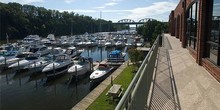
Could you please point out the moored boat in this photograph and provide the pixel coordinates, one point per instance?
(73, 52)
(116, 56)
(119, 44)
(101, 72)
(39, 65)
(81, 67)
(60, 65)
(25, 62)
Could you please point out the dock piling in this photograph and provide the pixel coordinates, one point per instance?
(5, 62)
(53, 69)
(18, 66)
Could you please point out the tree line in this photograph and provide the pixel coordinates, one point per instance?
(151, 29)
(18, 21)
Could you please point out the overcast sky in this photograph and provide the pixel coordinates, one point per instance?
(113, 10)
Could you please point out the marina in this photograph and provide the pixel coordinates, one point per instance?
(55, 77)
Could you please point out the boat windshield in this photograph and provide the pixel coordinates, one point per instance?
(69, 51)
(32, 57)
(55, 51)
(102, 67)
(82, 61)
(34, 50)
(48, 58)
(7, 54)
(61, 58)
(22, 55)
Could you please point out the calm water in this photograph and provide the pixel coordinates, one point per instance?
(28, 90)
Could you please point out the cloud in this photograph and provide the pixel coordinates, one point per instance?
(92, 11)
(156, 8)
(111, 4)
(116, 0)
(79, 11)
(23, 1)
(115, 11)
(69, 1)
(100, 7)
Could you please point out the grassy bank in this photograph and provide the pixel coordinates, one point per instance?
(102, 103)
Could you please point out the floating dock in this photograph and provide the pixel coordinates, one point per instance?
(143, 49)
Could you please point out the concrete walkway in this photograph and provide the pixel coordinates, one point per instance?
(180, 83)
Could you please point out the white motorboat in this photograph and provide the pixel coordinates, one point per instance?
(119, 44)
(72, 52)
(39, 65)
(101, 72)
(2, 58)
(15, 54)
(13, 57)
(91, 43)
(41, 49)
(60, 65)
(81, 44)
(109, 44)
(31, 39)
(81, 67)
(25, 62)
(7, 55)
(139, 44)
(57, 51)
(116, 56)
(101, 43)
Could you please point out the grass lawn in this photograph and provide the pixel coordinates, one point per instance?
(102, 103)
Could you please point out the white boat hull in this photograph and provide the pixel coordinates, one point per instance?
(38, 65)
(56, 68)
(2, 59)
(12, 60)
(98, 75)
(21, 64)
(81, 69)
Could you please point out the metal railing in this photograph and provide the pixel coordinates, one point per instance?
(135, 97)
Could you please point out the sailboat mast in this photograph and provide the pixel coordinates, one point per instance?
(7, 38)
(100, 25)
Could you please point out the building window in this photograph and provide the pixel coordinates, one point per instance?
(214, 40)
(192, 20)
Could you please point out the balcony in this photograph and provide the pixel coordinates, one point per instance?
(170, 79)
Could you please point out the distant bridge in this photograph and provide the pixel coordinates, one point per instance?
(130, 21)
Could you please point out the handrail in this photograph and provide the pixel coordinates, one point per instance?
(133, 97)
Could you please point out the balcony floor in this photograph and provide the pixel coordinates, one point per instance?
(180, 83)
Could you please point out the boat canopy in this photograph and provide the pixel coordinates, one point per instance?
(115, 52)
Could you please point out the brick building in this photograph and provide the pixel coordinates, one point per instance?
(196, 23)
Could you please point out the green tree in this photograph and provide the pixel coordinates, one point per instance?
(18, 21)
(135, 55)
(151, 29)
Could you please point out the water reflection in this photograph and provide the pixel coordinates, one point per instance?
(33, 90)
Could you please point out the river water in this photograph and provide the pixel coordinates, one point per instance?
(28, 90)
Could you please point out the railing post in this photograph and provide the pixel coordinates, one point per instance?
(160, 40)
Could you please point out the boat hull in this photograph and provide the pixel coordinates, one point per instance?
(58, 70)
(80, 70)
(102, 77)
